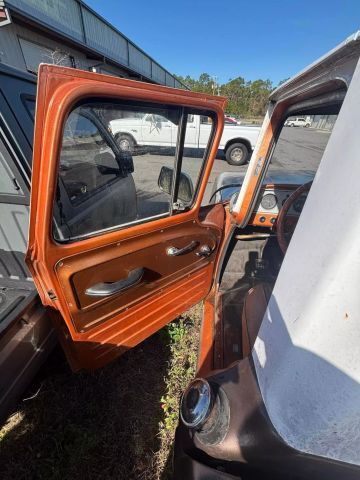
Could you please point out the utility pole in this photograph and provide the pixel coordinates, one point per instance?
(215, 85)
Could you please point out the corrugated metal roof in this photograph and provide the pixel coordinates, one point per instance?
(74, 20)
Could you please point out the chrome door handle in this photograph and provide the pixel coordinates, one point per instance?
(174, 252)
(110, 288)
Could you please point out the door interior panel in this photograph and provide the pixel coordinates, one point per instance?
(110, 326)
(103, 343)
(114, 262)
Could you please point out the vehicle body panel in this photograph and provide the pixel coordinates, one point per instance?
(27, 335)
(322, 262)
(98, 330)
(23, 348)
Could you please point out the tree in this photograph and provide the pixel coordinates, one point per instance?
(245, 98)
(56, 57)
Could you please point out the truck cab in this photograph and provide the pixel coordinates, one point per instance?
(277, 393)
(275, 261)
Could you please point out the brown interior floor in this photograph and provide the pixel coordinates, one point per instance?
(249, 262)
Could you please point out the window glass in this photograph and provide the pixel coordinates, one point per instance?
(205, 120)
(299, 150)
(117, 165)
(196, 142)
(87, 164)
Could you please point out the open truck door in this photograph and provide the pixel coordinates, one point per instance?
(112, 261)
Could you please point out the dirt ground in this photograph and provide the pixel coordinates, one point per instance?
(117, 423)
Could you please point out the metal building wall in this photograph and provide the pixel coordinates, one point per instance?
(24, 48)
(84, 28)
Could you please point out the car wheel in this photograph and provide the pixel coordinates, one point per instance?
(125, 142)
(237, 154)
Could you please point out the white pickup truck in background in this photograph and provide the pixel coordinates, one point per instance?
(297, 122)
(237, 142)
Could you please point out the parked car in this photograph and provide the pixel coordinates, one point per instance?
(229, 121)
(236, 143)
(277, 391)
(297, 122)
(232, 118)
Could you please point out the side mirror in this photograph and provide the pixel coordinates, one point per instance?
(186, 189)
(125, 161)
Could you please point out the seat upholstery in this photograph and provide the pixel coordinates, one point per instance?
(255, 304)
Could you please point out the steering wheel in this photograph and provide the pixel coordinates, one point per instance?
(285, 225)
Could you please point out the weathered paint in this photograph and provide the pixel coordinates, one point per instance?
(307, 354)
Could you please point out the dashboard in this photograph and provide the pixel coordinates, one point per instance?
(270, 201)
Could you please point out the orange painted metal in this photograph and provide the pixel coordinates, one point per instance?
(97, 332)
(210, 355)
(263, 219)
(107, 265)
(206, 352)
(258, 166)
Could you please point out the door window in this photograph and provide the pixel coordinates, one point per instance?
(112, 174)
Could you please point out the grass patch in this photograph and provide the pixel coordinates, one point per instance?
(117, 423)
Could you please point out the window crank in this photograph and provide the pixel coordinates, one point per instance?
(204, 251)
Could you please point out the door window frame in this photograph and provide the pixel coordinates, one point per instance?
(178, 157)
(59, 91)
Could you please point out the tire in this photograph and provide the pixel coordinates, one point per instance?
(237, 154)
(125, 142)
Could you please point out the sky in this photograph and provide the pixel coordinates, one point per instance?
(229, 38)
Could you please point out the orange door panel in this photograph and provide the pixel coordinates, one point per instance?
(113, 290)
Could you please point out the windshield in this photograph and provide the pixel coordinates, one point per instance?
(299, 150)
